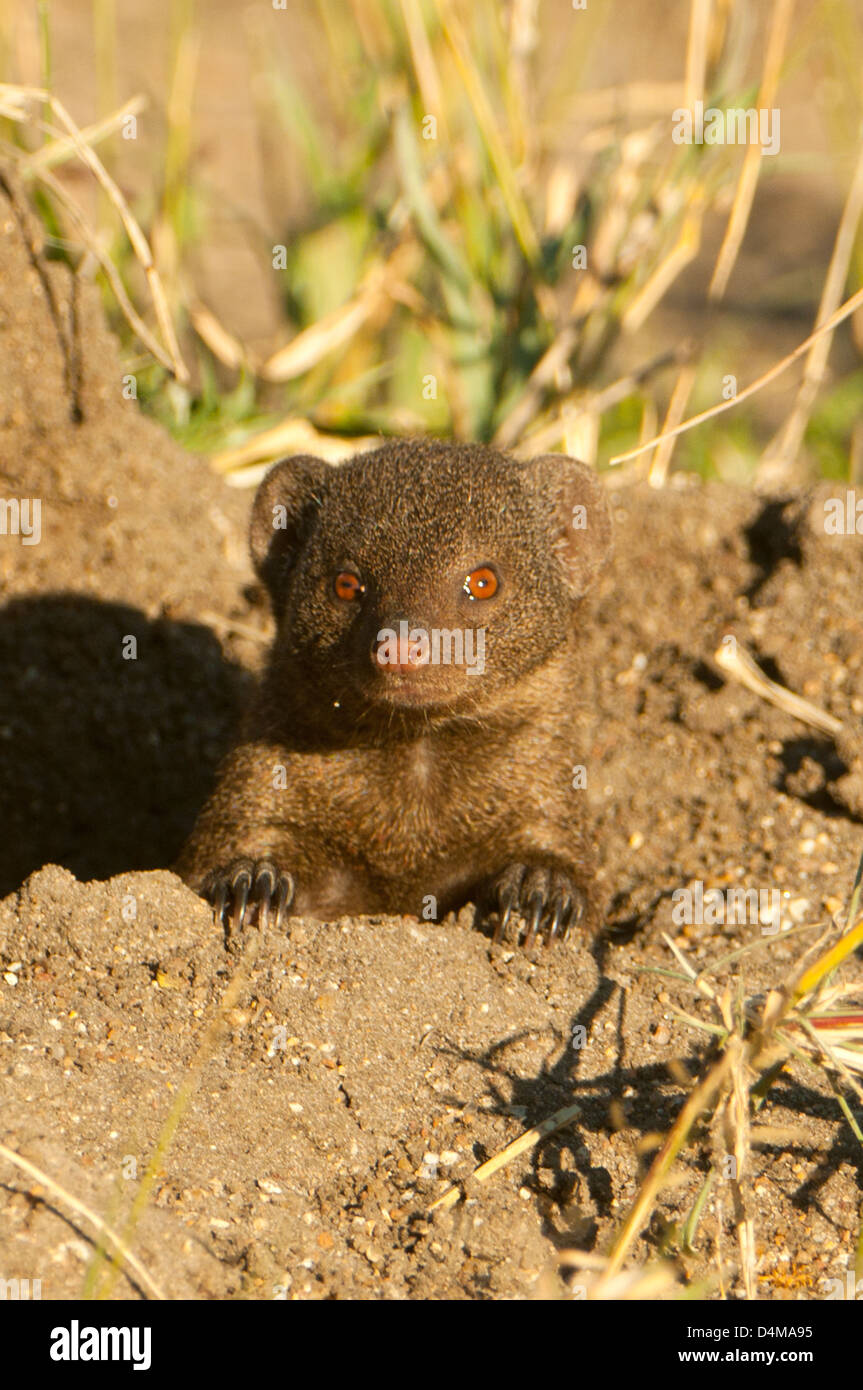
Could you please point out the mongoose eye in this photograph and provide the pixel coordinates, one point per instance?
(348, 586)
(481, 583)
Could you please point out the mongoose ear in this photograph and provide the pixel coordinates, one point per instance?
(281, 512)
(581, 518)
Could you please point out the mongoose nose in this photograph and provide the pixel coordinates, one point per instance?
(401, 650)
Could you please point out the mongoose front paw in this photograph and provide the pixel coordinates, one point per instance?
(249, 889)
(547, 901)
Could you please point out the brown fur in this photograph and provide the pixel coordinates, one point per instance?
(388, 805)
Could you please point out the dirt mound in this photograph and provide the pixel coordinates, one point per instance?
(106, 758)
(367, 1063)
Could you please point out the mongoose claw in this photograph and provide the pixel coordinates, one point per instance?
(249, 890)
(546, 900)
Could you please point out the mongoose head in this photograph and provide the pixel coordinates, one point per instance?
(425, 576)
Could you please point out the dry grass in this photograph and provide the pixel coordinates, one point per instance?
(449, 260)
(805, 1018)
(809, 1017)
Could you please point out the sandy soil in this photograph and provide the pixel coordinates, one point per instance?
(364, 1064)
